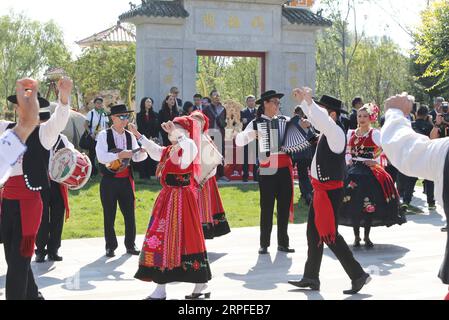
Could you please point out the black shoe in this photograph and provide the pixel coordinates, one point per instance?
(431, 205)
(358, 284)
(155, 299)
(196, 296)
(245, 180)
(368, 243)
(40, 257)
(357, 242)
(444, 229)
(38, 297)
(133, 251)
(110, 253)
(286, 249)
(263, 250)
(54, 257)
(307, 283)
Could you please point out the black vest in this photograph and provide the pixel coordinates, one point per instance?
(329, 165)
(35, 162)
(111, 146)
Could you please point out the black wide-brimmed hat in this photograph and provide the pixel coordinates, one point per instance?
(332, 103)
(269, 95)
(119, 109)
(43, 103)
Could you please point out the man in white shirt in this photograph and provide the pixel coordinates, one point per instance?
(328, 172)
(96, 121)
(416, 155)
(55, 204)
(22, 203)
(117, 186)
(276, 174)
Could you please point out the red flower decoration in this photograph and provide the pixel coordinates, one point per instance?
(370, 208)
(196, 265)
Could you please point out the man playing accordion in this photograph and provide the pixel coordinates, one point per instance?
(276, 137)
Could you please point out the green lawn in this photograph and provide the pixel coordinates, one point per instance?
(241, 204)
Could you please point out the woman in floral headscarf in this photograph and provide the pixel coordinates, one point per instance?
(371, 198)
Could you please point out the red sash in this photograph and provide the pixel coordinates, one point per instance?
(279, 161)
(324, 211)
(65, 196)
(30, 211)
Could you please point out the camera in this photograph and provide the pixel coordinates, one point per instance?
(445, 110)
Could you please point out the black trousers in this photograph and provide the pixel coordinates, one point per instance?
(303, 166)
(276, 187)
(147, 168)
(20, 284)
(50, 231)
(429, 188)
(113, 191)
(339, 248)
(407, 187)
(393, 172)
(245, 168)
(93, 159)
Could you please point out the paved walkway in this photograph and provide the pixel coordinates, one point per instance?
(404, 265)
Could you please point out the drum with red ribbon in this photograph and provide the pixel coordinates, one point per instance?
(71, 168)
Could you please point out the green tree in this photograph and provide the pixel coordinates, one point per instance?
(27, 49)
(432, 48)
(234, 77)
(105, 68)
(350, 64)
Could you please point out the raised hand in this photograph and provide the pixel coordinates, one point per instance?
(403, 102)
(133, 129)
(308, 95)
(298, 94)
(65, 86)
(27, 107)
(301, 94)
(168, 127)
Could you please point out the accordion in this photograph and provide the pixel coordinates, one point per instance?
(280, 135)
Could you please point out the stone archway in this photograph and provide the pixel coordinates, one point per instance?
(170, 33)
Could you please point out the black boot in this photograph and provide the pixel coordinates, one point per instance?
(357, 242)
(358, 284)
(54, 257)
(40, 257)
(368, 243)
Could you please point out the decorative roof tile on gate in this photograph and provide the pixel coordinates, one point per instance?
(304, 16)
(153, 8)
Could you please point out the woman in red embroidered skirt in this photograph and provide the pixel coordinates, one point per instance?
(212, 213)
(174, 247)
(371, 199)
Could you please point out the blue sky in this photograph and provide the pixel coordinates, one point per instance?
(82, 18)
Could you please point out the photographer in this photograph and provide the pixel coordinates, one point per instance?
(441, 128)
(436, 108)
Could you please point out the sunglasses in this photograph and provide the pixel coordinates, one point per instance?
(124, 117)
